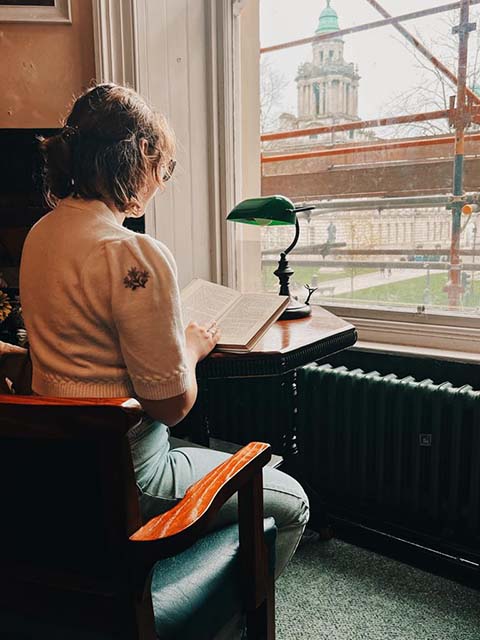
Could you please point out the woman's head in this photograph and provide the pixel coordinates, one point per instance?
(113, 148)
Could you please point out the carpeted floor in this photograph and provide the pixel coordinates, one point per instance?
(335, 591)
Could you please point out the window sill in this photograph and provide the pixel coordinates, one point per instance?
(416, 351)
(460, 344)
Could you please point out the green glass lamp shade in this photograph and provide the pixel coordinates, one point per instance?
(275, 210)
(268, 210)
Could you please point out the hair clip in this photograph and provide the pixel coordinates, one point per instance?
(69, 132)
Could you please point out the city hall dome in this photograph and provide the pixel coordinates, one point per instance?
(328, 21)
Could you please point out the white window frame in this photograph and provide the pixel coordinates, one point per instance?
(420, 331)
(114, 41)
(223, 29)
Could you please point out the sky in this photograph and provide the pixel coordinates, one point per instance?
(386, 64)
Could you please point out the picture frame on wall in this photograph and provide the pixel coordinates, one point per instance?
(44, 11)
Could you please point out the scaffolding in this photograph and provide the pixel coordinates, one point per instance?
(464, 109)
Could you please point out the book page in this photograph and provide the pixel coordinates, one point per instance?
(204, 301)
(247, 316)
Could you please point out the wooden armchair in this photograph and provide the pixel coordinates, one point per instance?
(75, 560)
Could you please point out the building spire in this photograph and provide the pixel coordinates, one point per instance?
(328, 21)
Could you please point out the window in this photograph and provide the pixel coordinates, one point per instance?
(387, 237)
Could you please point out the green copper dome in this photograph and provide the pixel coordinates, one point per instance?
(328, 21)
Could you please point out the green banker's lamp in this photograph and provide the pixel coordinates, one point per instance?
(270, 211)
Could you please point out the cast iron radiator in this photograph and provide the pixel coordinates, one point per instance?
(400, 455)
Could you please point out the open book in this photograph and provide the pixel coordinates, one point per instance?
(242, 317)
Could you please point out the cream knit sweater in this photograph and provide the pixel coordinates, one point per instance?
(101, 307)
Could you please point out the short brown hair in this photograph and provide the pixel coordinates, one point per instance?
(99, 154)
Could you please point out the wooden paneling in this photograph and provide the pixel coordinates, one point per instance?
(172, 52)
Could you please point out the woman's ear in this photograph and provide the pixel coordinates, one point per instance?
(144, 146)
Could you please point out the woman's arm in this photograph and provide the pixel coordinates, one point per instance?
(199, 342)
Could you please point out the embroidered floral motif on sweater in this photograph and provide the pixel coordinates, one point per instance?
(136, 278)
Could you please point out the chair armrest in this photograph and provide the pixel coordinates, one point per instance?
(46, 408)
(177, 529)
(129, 404)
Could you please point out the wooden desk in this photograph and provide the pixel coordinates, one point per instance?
(285, 347)
(253, 396)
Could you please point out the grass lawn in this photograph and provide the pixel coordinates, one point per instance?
(305, 275)
(413, 291)
(302, 276)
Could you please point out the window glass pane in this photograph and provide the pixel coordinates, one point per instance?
(380, 235)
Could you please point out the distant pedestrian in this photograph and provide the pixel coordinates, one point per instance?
(331, 233)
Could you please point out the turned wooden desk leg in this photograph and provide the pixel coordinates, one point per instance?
(293, 463)
(289, 390)
(200, 432)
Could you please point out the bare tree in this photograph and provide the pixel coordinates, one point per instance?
(432, 89)
(272, 87)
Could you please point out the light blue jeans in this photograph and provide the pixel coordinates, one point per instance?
(164, 475)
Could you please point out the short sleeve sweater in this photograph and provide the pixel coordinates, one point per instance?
(101, 307)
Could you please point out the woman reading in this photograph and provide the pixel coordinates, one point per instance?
(101, 303)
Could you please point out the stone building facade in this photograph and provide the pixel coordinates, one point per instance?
(327, 91)
(327, 87)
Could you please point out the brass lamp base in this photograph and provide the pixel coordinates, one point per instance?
(295, 310)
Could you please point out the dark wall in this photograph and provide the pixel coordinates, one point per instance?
(21, 200)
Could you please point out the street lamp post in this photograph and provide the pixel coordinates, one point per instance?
(427, 294)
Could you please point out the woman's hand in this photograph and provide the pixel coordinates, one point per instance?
(201, 340)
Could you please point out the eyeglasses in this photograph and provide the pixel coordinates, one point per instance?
(170, 169)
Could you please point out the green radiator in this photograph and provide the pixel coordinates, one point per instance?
(396, 454)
